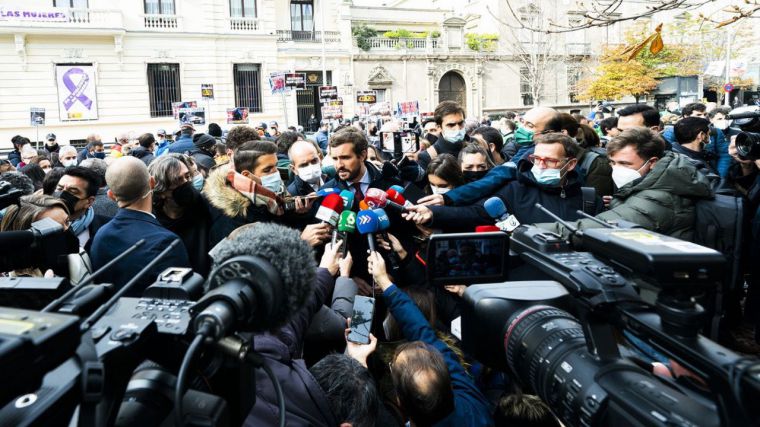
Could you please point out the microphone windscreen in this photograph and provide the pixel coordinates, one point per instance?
(384, 222)
(486, 228)
(348, 199)
(330, 209)
(289, 255)
(327, 191)
(363, 206)
(495, 207)
(399, 189)
(376, 198)
(367, 222)
(347, 222)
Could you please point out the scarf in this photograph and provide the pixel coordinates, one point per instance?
(255, 192)
(79, 225)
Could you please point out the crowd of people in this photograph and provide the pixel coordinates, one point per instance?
(205, 189)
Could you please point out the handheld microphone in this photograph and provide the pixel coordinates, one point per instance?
(377, 198)
(398, 198)
(330, 209)
(348, 199)
(397, 188)
(496, 210)
(383, 224)
(367, 222)
(363, 206)
(486, 228)
(346, 224)
(324, 192)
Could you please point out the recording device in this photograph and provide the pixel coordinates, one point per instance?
(466, 258)
(368, 223)
(346, 224)
(496, 209)
(43, 246)
(330, 209)
(290, 202)
(377, 198)
(399, 143)
(573, 361)
(9, 195)
(361, 319)
(747, 141)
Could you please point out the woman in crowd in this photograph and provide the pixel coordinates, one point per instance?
(475, 162)
(444, 173)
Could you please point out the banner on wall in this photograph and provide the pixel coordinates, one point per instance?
(77, 95)
(237, 116)
(176, 106)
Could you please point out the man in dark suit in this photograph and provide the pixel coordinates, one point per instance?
(131, 187)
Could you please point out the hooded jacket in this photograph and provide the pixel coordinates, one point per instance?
(143, 154)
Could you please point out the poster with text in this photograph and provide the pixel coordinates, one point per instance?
(176, 106)
(77, 97)
(380, 109)
(277, 83)
(194, 116)
(295, 80)
(237, 116)
(408, 109)
(332, 110)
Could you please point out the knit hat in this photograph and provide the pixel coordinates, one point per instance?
(202, 140)
(214, 130)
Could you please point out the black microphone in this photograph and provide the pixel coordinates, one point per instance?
(261, 277)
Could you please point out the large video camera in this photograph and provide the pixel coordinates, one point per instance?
(586, 346)
(116, 360)
(748, 141)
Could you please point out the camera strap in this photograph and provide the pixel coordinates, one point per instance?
(92, 381)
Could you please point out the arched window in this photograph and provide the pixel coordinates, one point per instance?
(452, 88)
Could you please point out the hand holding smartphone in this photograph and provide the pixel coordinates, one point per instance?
(361, 319)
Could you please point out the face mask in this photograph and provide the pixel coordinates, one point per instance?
(439, 190)
(523, 136)
(721, 124)
(198, 181)
(622, 175)
(431, 138)
(310, 173)
(52, 147)
(185, 195)
(99, 154)
(272, 182)
(68, 199)
(470, 176)
(546, 176)
(454, 136)
(67, 163)
(46, 170)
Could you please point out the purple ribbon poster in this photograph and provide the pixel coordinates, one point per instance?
(77, 97)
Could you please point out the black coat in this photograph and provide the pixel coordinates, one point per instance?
(193, 229)
(143, 154)
(520, 197)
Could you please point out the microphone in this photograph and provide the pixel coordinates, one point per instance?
(396, 197)
(348, 199)
(346, 224)
(497, 210)
(330, 209)
(377, 198)
(367, 222)
(363, 206)
(324, 192)
(397, 188)
(383, 224)
(261, 277)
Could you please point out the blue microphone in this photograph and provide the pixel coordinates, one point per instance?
(327, 191)
(496, 209)
(348, 199)
(367, 222)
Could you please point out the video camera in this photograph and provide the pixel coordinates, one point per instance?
(585, 345)
(747, 141)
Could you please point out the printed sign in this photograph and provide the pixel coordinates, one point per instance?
(408, 109)
(295, 80)
(176, 106)
(366, 97)
(426, 116)
(332, 109)
(380, 109)
(37, 116)
(207, 91)
(194, 116)
(277, 83)
(328, 93)
(49, 14)
(77, 97)
(237, 116)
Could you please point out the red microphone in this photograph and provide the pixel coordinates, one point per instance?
(330, 209)
(377, 198)
(398, 198)
(486, 228)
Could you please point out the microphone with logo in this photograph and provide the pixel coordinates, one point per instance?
(497, 210)
(384, 223)
(330, 209)
(396, 197)
(368, 223)
(346, 225)
(377, 198)
(348, 199)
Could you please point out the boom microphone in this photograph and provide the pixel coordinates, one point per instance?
(277, 269)
(368, 223)
(330, 209)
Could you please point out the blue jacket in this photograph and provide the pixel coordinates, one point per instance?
(471, 407)
(484, 187)
(321, 138)
(123, 231)
(718, 146)
(183, 144)
(162, 148)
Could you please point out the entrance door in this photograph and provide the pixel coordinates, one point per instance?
(308, 99)
(452, 88)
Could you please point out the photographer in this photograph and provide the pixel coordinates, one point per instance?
(432, 386)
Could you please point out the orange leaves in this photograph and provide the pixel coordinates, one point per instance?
(654, 41)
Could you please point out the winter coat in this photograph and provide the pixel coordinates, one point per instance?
(183, 144)
(143, 154)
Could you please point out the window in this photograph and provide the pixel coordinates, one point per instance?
(248, 86)
(301, 16)
(76, 4)
(159, 7)
(381, 95)
(243, 8)
(163, 88)
(574, 75)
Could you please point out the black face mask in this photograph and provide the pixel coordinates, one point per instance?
(51, 147)
(431, 137)
(185, 195)
(470, 176)
(69, 199)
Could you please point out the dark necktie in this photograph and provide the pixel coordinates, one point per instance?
(358, 195)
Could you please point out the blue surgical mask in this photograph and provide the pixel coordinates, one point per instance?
(272, 182)
(454, 136)
(198, 182)
(546, 176)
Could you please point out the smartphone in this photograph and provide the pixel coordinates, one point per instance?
(361, 319)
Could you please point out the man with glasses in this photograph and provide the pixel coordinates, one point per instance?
(547, 176)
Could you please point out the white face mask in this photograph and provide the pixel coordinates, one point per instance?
(454, 136)
(622, 175)
(272, 182)
(722, 124)
(310, 173)
(70, 162)
(439, 190)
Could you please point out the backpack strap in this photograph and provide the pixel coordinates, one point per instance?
(588, 159)
(588, 195)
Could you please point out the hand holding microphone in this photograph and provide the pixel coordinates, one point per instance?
(330, 209)
(497, 210)
(377, 198)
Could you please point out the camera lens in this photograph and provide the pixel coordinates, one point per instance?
(748, 145)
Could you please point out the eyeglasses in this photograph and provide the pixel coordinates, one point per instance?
(546, 161)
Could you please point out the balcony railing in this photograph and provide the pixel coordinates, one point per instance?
(155, 21)
(384, 43)
(75, 18)
(308, 36)
(239, 23)
(578, 49)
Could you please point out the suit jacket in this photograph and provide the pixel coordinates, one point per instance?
(123, 231)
